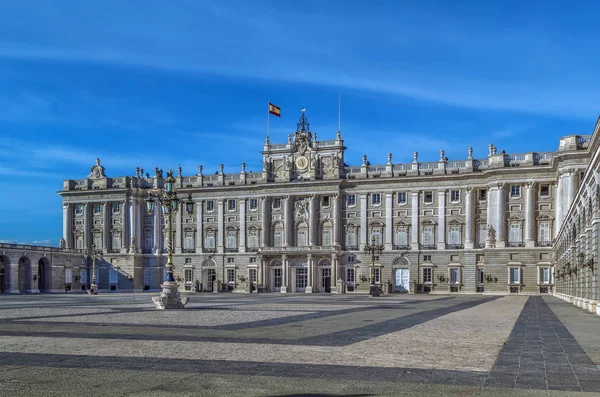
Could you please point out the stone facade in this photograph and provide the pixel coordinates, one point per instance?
(577, 243)
(301, 223)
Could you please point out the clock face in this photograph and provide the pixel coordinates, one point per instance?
(301, 162)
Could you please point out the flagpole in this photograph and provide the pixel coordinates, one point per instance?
(339, 112)
(268, 118)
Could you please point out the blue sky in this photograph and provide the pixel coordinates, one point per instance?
(118, 80)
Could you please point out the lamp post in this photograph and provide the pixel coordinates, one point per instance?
(169, 202)
(93, 252)
(373, 249)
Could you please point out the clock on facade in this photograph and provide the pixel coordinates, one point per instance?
(301, 162)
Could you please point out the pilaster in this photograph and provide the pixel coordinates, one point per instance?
(287, 226)
(441, 244)
(106, 226)
(242, 225)
(469, 225)
(264, 238)
(199, 225)
(336, 218)
(312, 221)
(530, 215)
(310, 279)
(221, 225)
(501, 216)
(363, 220)
(389, 212)
(414, 228)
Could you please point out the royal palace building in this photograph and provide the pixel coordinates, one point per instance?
(486, 224)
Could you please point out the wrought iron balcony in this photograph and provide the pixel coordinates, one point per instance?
(544, 243)
(352, 248)
(232, 249)
(252, 249)
(115, 251)
(428, 246)
(209, 250)
(516, 244)
(189, 250)
(454, 246)
(402, 247)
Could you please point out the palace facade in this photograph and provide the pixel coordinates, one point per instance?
(484, 224)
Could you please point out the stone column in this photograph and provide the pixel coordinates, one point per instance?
(312, 221)
(414, 227)
(132, 226)
(572, 189)
(13, 276)
(221, 225)
(363, 220)
(287, 226)
(469, 241)
(261, 277)
(334, 271)
(389, 220)
(501, 217)
(87, 235)
(139, 219)
(106, 226)
(530, 215)
(199, 225)
(441, 244)
(559, 204)
(311, 269)
(264, 238)
(125, 236)
(336, 219)
(242, 243)
(179, 229)
(284, 274)
(68, 225)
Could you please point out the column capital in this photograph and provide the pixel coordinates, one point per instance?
(469, 189)
(529, 185)
(500, 185)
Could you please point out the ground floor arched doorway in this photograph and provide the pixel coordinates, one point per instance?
(4, 266)
(23, 272)
(42, 275)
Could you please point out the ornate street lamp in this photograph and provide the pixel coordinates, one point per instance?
(169, 202)
(373, 249)
(93, 252)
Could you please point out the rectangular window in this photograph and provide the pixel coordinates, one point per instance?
(351, 200)
(231, 205)
(426, 258)
(544, 275)
(402, 198)
(116, 208)
(230, 276)
(148, 242)
(231, 240)
(325, 201)
(454, 275)
(326, 240)
(515, 235)
(402, 237)
(515, 191)
(112, 276)
(253, 204)
(454, 235)
(454, 196)
(480, 276)
(427, 275)
(482, 234)
(277, 242)
(277, 203)
(515, 275)
(253, 238)
(350, 275)
(97, 208)
(210, 206)
(351, 238)
(428, 237)
(83, 276)
(376, 233)
(68, 276)
(252, 260)
(377, 275)
(544, 232)
(482, 195)
(188, 275)
(301, 277)
(428, 197)
(544, 190)
(376, 198)
(350, 259)
(209, 239)
(301, 238)
(78, 209)
(277, 277)
(252, 275)
(230, 260)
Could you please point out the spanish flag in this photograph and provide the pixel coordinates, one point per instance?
(274, 110)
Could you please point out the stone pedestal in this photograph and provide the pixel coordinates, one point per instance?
(216, 286)
(93, 289)
(283, 289)
(340, 287)
(308, 290)
(169, 298)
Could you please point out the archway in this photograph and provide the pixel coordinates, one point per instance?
(24, 274)
(4, 269)
(43, 274)
(401, 268)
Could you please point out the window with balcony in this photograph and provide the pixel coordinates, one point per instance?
(326, 238)
(301, 240)
(544, 234)
(209, 240)
(277, 238)
(481, 234)
(428, 237)
(253, 239)
(231, 241)
(376, 236)
(515, 235)
(454, 236)
(402, 238)
(351, 238)
(189, 241)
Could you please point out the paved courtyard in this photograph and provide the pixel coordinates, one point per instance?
(280, 345)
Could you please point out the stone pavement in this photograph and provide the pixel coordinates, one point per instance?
(276, 345)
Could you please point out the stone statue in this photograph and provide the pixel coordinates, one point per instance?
(62, 243)
(389, 158)
(442, 155)
(156, 172)
(415, 157)
(97, 171)
(301, 210)
(490, 232)
(364, 159)
(470, 153)
(133, 241)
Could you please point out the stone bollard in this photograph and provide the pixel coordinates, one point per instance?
(340, 287)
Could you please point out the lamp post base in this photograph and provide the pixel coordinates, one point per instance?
(93, 289)
(374, 290)
(169, 298)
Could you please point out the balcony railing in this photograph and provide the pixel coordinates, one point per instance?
(115, 251)
(209, 250)
(232, 249)
(455, 246)
(402, 247)
(252, 249)
(544, 243)
(352, 248)
(428, 246)
(189, 250)
(516, 244)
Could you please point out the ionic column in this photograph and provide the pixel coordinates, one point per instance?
(334, 270)
(414, 227)
(87, 235)
(199, 225)
(469, 243)
(106, 226)
(311, 268)
(312, 221)
(284, 274)
(336, 219)
(264, 238)
(501, 217)
(530, 214)
(287, 226)
(242, 225)
(389, 227)
(68, 225)
(363, 220)
(221, 225)
(572, 189)
(560, 187)
(125, 235)
(441, 220)
(139, 216)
